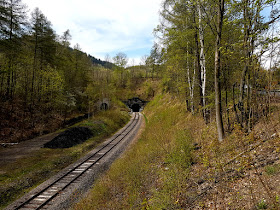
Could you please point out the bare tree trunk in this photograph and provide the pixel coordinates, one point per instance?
(270, 74)
(33, 72)
(202, 63)
(8, 88)
(234, 105)
(198, 67)
(248, 50)
(40, 80)
(10, 59)
(13, 86)
(219, 119)
(2, 83)
(226, 79)
(191, 84)
(153, 71)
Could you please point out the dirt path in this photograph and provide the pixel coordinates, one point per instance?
(12, 153)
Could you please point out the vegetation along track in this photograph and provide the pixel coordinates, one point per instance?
(46, 194)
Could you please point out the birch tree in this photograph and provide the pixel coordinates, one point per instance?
(191, 82)
(202, 59)
(180, 34)
(121, 61)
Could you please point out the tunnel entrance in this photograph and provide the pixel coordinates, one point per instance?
(135, 104)
(135, 107)
(104, 106)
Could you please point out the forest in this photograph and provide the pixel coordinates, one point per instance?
(212, 79)
(43, 81)
(212, 129)
(218, 56)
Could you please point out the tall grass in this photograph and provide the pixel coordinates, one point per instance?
(151, 173)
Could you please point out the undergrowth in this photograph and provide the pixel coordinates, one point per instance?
(27, 173)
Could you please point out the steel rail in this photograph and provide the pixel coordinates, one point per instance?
(133, 123)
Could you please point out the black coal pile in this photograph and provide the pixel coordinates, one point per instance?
(70, 138)
(75, 120)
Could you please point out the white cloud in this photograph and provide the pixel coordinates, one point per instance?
(104, 26)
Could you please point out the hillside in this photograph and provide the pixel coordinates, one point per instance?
(186, 167)
(105, 64)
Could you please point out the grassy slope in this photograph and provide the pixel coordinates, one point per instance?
(157, 163)
(28, 172)
(166, 170)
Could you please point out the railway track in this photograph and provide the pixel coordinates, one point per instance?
(42, 198)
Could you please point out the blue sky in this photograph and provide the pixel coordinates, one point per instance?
(103, 27)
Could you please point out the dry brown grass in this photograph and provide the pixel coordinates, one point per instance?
(240, 173)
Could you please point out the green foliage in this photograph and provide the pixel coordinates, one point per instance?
(262, 204)
(121, 60)
(272, 170)
(155, 102)
(182, 153)
(52, 82)
(149, 91)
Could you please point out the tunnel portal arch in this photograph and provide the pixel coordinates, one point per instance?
(135, 107)
(104, 106)
(135, 104)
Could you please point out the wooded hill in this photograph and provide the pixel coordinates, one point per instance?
(210, 54)
(209, 62)
(105, 64)
(43, 81)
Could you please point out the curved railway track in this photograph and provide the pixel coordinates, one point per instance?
(41, 199)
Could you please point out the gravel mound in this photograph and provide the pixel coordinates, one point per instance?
(70, 138)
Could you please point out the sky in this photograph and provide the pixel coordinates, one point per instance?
(103, 27)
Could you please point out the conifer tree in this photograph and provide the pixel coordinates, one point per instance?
(43, 40)
(12, 20)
